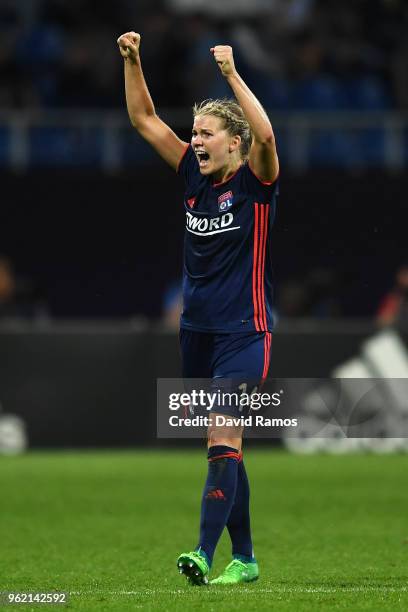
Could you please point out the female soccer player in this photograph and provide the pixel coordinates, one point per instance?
(230, 169)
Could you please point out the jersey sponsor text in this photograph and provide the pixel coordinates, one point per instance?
(209, 226)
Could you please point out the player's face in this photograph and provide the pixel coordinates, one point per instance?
(211, 143)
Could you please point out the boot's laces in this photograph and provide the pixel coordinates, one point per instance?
(235, 568)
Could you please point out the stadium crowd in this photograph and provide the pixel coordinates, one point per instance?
(316, 55)
(309, 54)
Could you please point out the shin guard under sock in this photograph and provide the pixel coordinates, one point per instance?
(218, 496)
(238, 524)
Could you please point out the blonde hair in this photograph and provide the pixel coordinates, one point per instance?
(233, 119)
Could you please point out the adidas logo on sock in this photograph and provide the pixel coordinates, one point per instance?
(216, 494)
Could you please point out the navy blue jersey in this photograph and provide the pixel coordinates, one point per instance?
(227, 282)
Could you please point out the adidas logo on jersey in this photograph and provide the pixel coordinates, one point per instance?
(208, 227)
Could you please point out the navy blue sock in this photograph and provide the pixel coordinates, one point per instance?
(218, 496)
(239, 524)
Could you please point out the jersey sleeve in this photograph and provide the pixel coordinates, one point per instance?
(263, 191)
(188, 166)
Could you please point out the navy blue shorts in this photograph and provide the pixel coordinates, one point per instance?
(235, 363)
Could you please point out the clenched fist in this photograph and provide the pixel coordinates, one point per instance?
(129, 46)
(225, 59)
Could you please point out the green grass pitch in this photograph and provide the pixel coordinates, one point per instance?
(330, 532)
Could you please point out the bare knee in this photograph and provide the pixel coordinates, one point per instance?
(231, 442)
(224, 435)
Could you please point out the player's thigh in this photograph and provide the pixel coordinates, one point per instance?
(239, 368)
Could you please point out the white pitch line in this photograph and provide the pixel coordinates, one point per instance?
(253, 591)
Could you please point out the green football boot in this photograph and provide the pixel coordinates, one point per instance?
(238, 571)
(195, 568)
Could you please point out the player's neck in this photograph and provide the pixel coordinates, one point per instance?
(223, 174)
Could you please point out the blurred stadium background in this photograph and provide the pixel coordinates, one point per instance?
(90, 219)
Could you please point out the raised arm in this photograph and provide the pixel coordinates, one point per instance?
(140, 105)
(263, 158)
